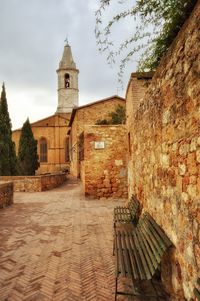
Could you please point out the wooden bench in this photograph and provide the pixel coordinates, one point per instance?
(197, 290)
(127, 214)
(126, 217)
(138, 253)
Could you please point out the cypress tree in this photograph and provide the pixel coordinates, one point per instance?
(8, 159)
(27, 156)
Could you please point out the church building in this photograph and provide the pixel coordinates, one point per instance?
(52, 132)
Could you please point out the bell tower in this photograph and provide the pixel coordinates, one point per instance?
(67, 82)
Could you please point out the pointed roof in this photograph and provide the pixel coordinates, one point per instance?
(67, 60)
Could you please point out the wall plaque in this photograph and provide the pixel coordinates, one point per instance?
(99, 145)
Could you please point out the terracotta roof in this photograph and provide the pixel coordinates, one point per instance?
(92, 104)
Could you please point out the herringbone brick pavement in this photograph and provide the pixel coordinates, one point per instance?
(57, 245)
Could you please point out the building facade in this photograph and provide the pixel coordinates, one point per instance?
(51, 132)
(88, 115)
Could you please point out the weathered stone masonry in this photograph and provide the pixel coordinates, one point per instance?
(36, 183)
(164, 155)
(88, 115)
(104, 170)
(6, 194)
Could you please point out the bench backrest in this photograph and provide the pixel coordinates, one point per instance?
(134, 208)
(197, 291)
(152, 244)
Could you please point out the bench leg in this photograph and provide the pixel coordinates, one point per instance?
(116, 289)
(114, 241)
(114, 245)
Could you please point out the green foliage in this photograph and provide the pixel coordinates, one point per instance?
(28, 158)
(102, 122)
(157, 23)
(116, 117)
(8, 159)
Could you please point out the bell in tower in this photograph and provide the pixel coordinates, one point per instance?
(67, 82)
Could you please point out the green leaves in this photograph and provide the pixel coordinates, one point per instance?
(156, 24)
(28, 158)
(8, 159)
(116, 117)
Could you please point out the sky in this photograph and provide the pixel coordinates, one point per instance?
(32, 34)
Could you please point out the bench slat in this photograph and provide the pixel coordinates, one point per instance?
(138, 259)
(158, 249)
(157, 237)
(152, 260)
(127, 256)
(160, 231)
(127, 214)
(149, 257)
(121, 261)
(138, 240)
(139, 248)
(132, 256)
(197, 293)
(152, 246)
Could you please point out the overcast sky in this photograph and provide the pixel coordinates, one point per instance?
(32, 34)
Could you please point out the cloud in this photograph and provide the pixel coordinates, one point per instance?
(32, 35)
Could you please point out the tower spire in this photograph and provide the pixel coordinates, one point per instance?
(66, 41)
(67, 82)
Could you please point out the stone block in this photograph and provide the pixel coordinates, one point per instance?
(198, 156)
(184, 149)
(6, 194)
(191, 164)
(193, 145)
(182, 169)
(164, 160)
(193, 180)
(192, 190)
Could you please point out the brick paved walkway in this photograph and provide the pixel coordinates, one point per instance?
(56, 245)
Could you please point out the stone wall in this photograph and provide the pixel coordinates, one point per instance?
(103, 170)
(88, 115)
(6, 194)
(36, 183)
(164, 156)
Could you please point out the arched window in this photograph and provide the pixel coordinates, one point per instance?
(43, 150)
(67, 80)
(66, 149)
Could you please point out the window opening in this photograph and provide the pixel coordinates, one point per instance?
(43, 150)
(67, 80)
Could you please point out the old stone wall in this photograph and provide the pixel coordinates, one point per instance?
(6, 194)
(164, 156)
(88, 115)
(104, 169)
(36, 183)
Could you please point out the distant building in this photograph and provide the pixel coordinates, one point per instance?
(51, 132)
(84, 116)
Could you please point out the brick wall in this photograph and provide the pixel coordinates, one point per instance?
(6, 194)
(164, 157)
(36, 183)
(104, 171)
